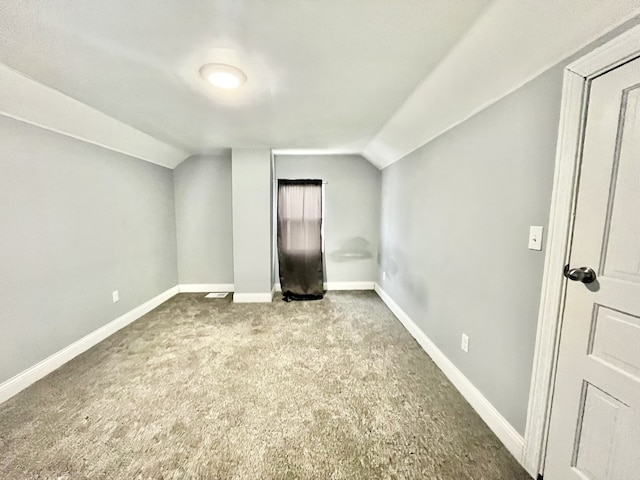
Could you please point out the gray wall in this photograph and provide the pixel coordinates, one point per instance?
(454, 228)
(352, 211)
(251, 181)
(76, 222)
(204, 220)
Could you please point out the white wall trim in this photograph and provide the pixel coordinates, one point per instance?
(577, 77)
(508, 435)
(31, 375)
(205, 287)
(553, 284)
(252, 297)
(339, 286)
(612, 54)
(349, 285)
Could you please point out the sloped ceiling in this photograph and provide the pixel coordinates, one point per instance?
(379, 77)
(321, 74)
(509, 45)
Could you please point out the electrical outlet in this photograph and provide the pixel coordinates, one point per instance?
(384, 275)
(465, 343)
(115, 295)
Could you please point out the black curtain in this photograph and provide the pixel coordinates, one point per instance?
(300, 239)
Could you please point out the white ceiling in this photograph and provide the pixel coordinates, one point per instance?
(323, 74)
(378, 77)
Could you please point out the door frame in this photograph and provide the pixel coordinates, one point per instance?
(573, 114)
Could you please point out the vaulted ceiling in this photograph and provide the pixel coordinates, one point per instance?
(323, 75)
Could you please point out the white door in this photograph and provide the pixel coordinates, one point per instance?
(595, 418)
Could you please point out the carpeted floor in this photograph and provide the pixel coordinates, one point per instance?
(208, 389)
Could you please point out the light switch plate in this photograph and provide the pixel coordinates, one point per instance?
(535, 238)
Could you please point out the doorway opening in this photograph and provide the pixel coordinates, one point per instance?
(300, 239)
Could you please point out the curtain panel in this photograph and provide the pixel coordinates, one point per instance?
(300, 239)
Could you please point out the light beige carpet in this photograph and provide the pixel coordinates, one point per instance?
(208, 389)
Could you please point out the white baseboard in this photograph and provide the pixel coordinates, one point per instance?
(349, 285)
(508, 435)
(252, 297)
(340, 286)
(31, 375)
(205, 287)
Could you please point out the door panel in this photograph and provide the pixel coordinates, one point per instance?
(595, 415)
(615, 340)
(622, 229)
(594, 452)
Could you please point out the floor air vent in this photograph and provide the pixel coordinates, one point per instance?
(216, 295)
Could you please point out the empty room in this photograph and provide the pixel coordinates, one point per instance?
(304, 239)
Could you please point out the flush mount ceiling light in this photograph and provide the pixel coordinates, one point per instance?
(222, 75)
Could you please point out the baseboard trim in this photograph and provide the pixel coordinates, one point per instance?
(41, 369)
(349, 285)
(508, 435)
(252, 297)
(205, 287)
(340, 286)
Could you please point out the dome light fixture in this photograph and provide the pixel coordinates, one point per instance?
(222, 75)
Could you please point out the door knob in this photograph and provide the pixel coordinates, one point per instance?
(581, 274)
